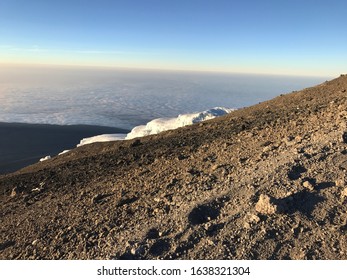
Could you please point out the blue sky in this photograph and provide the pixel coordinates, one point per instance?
(303, 37)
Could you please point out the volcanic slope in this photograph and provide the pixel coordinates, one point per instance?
(263, 182)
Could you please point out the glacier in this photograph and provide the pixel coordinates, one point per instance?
(159, 125)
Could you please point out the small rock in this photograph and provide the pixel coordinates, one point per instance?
(339, 183)
(215, 167)
(267, 149)
(254, 219)
(209, 242)
(35, 242)
(250, 220)
(14, 192)
(94, 199)
(133, 251)
(344, 193)
(264, 205)
(298, 139)
(136, 143)
(308, 185)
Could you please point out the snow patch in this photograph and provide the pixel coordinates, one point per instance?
(162, 124)
(159, 125)
(45, 158)
(101, 138)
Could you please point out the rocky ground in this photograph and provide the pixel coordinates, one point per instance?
(264, 182)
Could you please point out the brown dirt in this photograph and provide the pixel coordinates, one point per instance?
(264, 182)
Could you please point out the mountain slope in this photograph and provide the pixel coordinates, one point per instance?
(264, 182)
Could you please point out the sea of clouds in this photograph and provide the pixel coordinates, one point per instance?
(126, 99)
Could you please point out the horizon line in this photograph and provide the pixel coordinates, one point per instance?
(164, 69)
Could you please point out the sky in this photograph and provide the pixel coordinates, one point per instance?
(295, 37)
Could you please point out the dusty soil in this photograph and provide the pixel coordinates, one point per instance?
(264, 182)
